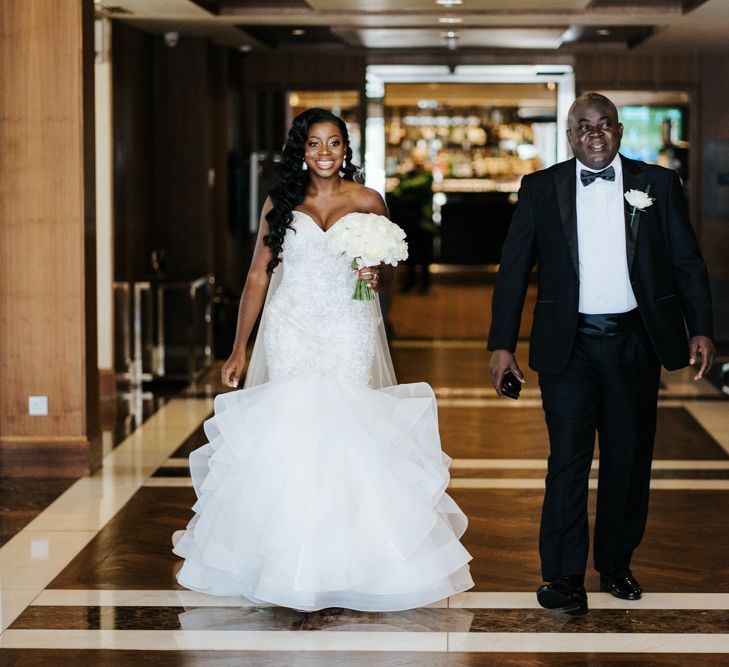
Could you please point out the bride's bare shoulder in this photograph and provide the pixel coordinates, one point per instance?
(367, 200)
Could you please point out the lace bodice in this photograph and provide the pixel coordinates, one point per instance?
(313, 325)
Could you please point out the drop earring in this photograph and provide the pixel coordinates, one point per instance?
(344, 163)
(304, 166)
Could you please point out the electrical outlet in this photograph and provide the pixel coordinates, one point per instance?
(38, 405)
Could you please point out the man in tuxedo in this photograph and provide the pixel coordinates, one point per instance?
(622, 290)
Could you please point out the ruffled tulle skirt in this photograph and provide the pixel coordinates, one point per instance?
(314, 493)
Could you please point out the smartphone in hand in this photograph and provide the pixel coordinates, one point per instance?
(510, 385)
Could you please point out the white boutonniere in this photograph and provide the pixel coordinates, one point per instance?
(639, 200)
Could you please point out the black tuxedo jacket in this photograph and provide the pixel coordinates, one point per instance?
(667, 271)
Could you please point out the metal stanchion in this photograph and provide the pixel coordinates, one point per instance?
(144, 340)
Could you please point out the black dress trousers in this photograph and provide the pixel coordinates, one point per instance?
(610, 386)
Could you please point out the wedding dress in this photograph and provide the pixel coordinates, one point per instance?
(316, 489)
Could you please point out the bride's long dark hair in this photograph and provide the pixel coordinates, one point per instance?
(293, 180)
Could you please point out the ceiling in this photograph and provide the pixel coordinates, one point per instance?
(427, 26)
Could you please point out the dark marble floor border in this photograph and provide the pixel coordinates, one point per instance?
(513, 473)
(135, 658)
(236, 619)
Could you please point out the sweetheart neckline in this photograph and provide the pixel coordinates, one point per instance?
(332, 226)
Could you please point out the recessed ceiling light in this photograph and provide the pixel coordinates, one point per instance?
(450, 20)
(448, 3)
(451, 41)
(603, 32)
(297, 32)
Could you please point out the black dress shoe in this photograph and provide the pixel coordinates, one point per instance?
(622, 585)
(563, 595)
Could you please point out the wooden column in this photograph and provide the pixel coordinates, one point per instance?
(47, 242)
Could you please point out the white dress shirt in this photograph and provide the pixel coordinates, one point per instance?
(604, 279)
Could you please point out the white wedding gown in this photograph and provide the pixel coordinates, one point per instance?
(316, 490)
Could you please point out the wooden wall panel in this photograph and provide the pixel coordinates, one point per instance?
(47, 276)
(715, 227)
(715, 128)
(183, 136)
(644, 70)
(172, 139)
(133, 95)
(285, 71)
(225, 230)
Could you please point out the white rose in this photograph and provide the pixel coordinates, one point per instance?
(375, 249)
(638, 199)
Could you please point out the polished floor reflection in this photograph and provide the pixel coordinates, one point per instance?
(87, 574)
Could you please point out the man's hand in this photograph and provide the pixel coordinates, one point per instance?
(701, 346)
(502, 361)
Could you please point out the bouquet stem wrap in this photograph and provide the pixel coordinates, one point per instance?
(363, 290)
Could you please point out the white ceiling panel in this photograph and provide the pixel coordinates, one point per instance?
(502, 6)
(157, 8)
(481, 38)
(347, 20)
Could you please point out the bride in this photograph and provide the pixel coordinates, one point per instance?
(323, 482)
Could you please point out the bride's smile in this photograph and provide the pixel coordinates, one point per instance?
(324, 150)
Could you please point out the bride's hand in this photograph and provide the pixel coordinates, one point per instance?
(371, 273)
(233, 368)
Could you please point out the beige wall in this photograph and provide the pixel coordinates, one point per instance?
(47, 243)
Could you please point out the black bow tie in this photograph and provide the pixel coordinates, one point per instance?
(588, 177)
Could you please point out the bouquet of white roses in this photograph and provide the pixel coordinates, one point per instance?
(368, 239)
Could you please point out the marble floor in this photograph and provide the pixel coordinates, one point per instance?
(87, 576)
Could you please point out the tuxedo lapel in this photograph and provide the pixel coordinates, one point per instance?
(565, 182)
(633, 179)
